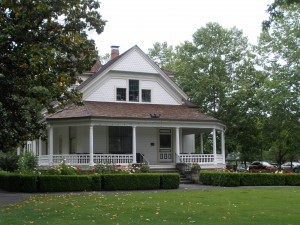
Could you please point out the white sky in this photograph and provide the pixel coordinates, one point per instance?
(144, 22)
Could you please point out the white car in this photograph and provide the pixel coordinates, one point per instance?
(293, 166)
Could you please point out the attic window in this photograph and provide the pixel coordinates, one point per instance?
(134, 90)
(146, 95)
(121, 94)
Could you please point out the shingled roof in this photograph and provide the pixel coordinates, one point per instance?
(91, 109)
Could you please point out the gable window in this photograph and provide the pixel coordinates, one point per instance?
(133, 90)
(146, 95)
(121, 94)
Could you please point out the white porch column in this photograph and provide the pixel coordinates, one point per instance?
(223, 145)
(215, 146)
(177, 145)
(134, 144)
(201, 143)
(18, 150)
(91, 145)
(40, 146)
(50, 144)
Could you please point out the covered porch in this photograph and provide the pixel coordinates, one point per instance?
(90, 143)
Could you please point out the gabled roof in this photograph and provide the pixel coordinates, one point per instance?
(114, 62)
(131, 111)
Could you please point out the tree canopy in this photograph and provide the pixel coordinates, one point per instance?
(43, 47)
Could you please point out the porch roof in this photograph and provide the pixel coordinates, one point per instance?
(132, 111)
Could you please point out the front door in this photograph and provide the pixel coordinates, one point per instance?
(165, 153)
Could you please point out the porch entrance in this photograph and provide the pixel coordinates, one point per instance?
(165, 151)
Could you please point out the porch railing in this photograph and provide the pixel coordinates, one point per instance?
(199, 158)
(84, 159)
(113, 159)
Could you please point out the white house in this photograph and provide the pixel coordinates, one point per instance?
(132, 112)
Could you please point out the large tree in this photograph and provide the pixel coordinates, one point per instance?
(276, 10)
(279, 50)
(43, 47)
(217, 71)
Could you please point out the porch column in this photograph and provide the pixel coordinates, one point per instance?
(91, 145)
(50, 145)
(177, 145)
(134, 144)
(223, 145)
(201, 143)
(215, 146)
(40, 146)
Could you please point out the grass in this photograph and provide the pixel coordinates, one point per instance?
(259, 206)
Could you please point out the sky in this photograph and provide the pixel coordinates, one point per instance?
(145, 22)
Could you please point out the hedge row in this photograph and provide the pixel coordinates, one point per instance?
(107, 182)
(248, 179)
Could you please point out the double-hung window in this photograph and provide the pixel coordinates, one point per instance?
(121, 94)
(134, 90)
(146, 95)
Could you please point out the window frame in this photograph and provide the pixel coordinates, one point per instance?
(142, 94)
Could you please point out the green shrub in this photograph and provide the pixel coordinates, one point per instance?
(57, 183)
(292, 179)
(169, 181)
(8, 161)
(18, 183)
(205, 178)
(96, 184)
(229, 179)
(27, 162)
(130, 182)
(262, 179)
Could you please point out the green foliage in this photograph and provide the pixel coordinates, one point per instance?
(262, 179)
(57, 183)
(292, 179)
(18, 183)
(8, 161)
(27, 162)
(44, 45)
(169, 181)
(130, 169)
(62, 169)
(279, 55)
(131, 181)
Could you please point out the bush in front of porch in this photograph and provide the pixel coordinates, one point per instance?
(105, 182)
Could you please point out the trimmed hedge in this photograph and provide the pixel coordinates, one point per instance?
(18, 183)
(112, 182)
(57, 183)
(262, 179)
(248, 179)
(169, 181)
(107, 182)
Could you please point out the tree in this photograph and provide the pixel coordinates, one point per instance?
(43, 47)
(279, 51)
(217, 71)
(162, 54)
(275, 10)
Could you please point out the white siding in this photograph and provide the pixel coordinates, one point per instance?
(146, 136)
(106, 92)
(134, 62)
(100, 139)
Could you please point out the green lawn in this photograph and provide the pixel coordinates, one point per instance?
(265, 206)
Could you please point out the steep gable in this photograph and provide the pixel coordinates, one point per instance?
(133, 64)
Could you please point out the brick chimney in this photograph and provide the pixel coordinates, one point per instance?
(114, 51)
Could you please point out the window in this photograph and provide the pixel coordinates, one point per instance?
(133, 90)
(121, 94)
(146, 95)
(120, 140)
